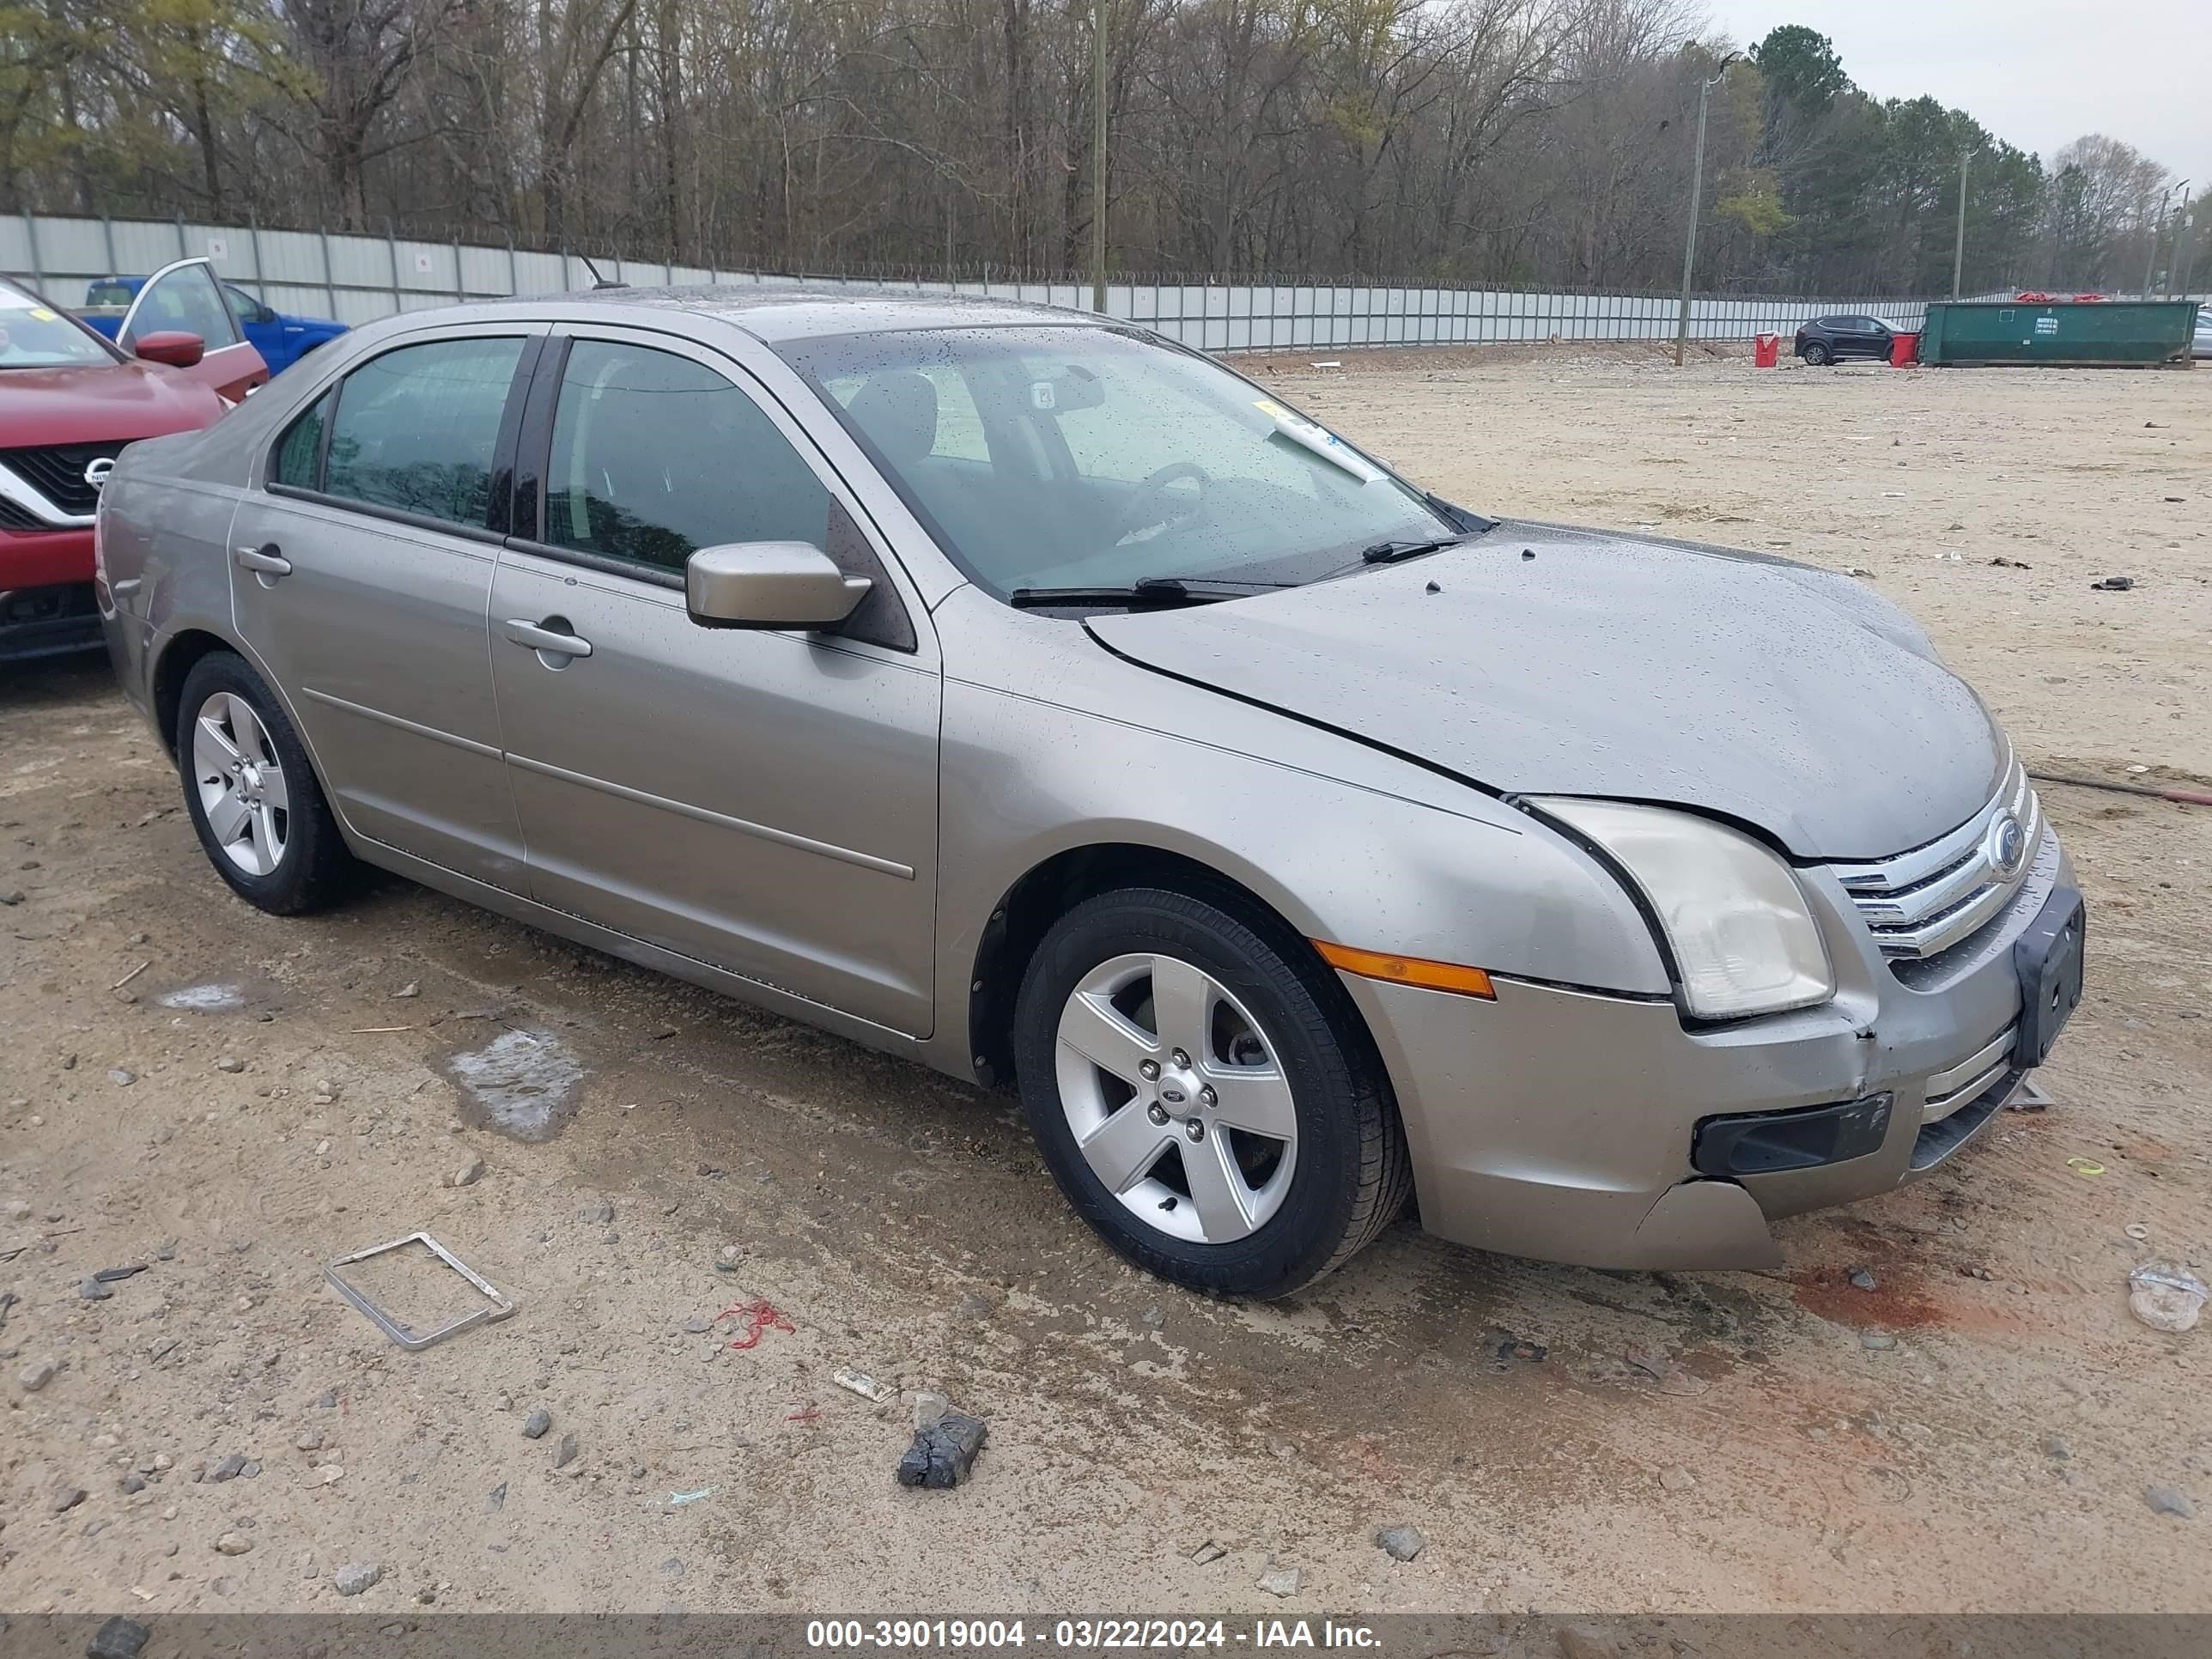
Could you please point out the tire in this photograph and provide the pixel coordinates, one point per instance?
(1816, 355)
(283, 852)
(1305, 1203)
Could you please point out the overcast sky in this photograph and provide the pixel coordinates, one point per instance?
(2036, 73)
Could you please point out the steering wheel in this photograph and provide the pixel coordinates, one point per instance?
(1146, 510)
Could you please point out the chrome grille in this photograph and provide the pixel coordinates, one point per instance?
(1920, 903)
(57, 472)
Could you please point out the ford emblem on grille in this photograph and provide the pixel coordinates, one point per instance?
(2007, 845)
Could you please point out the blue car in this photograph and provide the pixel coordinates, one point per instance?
(281, 339)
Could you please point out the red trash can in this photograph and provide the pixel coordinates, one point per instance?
(1765, 350)
(1903, 351)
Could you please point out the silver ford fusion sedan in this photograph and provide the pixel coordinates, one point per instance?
(1016, 690)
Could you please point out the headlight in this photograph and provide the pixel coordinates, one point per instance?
(1743, 938)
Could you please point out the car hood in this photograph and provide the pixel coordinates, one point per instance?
(126, 401)
(1541, 660)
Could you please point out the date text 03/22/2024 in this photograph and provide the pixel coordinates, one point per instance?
(1084, 1635)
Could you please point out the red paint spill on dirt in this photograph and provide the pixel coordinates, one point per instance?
(1894, 1304)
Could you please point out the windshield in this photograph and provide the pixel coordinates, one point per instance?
(33, 335)
(1075, 456)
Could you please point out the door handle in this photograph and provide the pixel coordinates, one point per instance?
(263, 561)
(552, 641)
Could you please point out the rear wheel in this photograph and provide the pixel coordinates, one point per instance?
(1817, 354)
(1191, 1083)
(252, 796)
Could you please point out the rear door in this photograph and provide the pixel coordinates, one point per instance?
(361, 566)
(186, 297)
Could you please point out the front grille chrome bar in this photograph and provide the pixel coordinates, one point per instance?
(1922, 902)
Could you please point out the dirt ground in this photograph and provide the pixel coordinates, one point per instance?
(232, 1100)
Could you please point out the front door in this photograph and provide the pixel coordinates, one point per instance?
(361, 568)
(186, 297)
(764, 801)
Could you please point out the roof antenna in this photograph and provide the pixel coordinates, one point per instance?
(597, 281)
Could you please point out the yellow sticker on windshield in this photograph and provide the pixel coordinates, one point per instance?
(43, 314)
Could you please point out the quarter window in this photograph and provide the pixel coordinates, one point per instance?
(299, 455)
(415, 429)
(655, 456)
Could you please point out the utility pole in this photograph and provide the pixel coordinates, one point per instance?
(1099, 156)
(1697, 206)
(2184, 250)
(1959, 248)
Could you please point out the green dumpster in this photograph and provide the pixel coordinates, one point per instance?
(1965, 333)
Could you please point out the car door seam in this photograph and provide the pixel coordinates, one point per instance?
(488, 750)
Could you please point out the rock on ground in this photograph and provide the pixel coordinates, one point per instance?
(1400, 1543)
(355, 1577)
(943, 1453)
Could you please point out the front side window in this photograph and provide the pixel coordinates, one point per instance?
(655, 456)
(190, 300)
(1088, 457)
(417, 429)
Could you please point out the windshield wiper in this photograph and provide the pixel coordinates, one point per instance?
(1146, 594)
(1391, 552)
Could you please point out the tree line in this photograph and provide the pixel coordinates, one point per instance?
(1535, 142)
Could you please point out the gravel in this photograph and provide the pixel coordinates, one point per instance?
(535, 1424)
(36, 1374)
(355, 1577)
(567, 1454)
(234, 1543)
(470, 1173)
(1281, 1581)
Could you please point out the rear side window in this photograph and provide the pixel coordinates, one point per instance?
(655, 456)
(299, 453)
(417, 429)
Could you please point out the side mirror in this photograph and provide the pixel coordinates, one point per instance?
(768, 585)
(172, 346)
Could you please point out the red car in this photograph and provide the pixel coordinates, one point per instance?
(70, 401)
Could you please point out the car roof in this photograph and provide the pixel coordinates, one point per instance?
(779, 311)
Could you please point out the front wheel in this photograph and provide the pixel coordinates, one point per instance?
(252, 794)
(1197, 1088)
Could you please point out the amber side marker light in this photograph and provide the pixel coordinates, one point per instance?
(1408, 971)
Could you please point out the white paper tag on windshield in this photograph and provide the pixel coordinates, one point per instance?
(1320, 439)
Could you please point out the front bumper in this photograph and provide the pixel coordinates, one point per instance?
(1563, 1124)
(49, 621)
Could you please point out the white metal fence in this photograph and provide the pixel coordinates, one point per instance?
(357, 279)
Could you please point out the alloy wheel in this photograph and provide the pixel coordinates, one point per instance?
(242, 789)
(1175, 1098)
